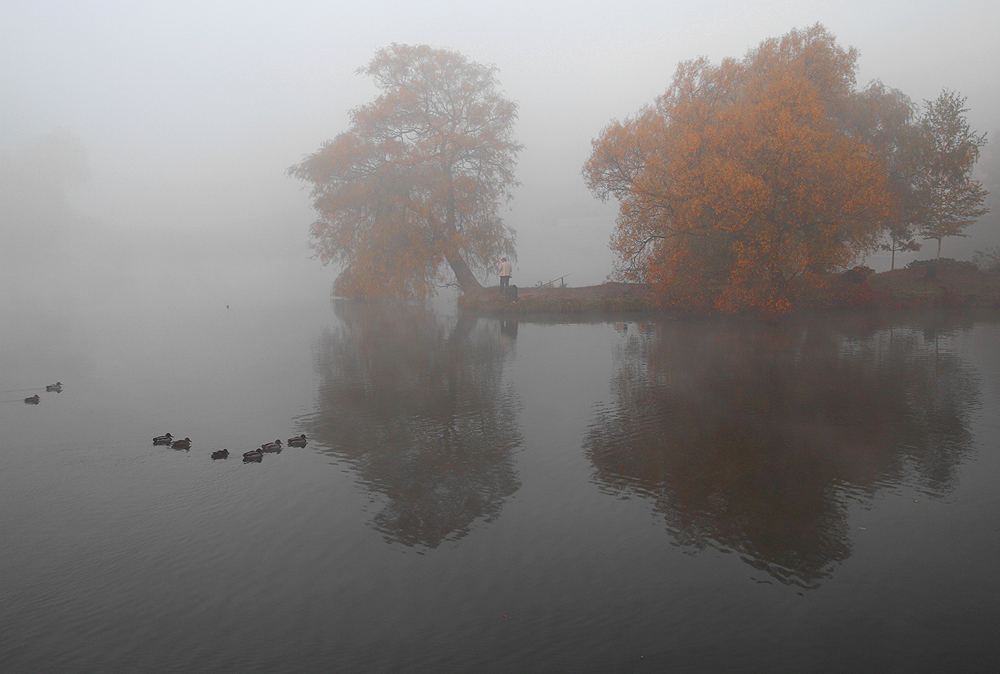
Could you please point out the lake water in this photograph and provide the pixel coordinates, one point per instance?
(478, 495)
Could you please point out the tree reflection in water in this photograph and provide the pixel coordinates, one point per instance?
(748, 437)
(420, 412)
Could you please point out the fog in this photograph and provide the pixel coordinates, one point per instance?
(159, 132)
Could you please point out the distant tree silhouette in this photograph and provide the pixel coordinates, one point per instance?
(953, 200)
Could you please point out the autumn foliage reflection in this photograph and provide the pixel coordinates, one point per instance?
(752, 438)
(418, 409)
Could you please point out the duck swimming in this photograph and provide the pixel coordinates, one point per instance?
(33, 400)
(297, 442)
(181, 444)
(221, 454)
(163, 439)
(57, 387)
(271, 446)
(255, 455)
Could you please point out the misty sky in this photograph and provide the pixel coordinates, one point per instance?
(177, 120)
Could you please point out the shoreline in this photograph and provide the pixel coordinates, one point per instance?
(608, 297)
(954, 285)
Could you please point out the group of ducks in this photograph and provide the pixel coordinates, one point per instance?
(254, 455)
(51, 388)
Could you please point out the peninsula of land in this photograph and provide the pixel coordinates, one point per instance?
(953, 284)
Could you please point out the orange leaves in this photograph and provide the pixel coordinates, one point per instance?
(417, 181)
(741, 178)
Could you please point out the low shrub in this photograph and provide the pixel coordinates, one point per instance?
(943, 263)
(988, 260)
(858, 274)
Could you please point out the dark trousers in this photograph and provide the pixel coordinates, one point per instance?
(504, 284)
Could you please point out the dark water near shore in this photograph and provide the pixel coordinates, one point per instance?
(476, 495)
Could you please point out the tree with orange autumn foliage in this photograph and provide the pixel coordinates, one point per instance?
(744, 176)
(414, 186)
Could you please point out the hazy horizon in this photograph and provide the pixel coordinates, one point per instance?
(176, 122)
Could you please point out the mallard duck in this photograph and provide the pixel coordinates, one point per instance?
(33, 400)
(297, 442)
(271, 446)
(221, 454)
(255, 455)
(163, 439)
(54, 387)
(181, 444)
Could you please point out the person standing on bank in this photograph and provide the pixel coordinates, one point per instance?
(504, 271)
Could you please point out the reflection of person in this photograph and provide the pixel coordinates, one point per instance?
(504, 271)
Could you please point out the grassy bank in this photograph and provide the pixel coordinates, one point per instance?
(949, 285)
(605, 298)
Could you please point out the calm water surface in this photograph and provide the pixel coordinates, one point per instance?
(478, 495)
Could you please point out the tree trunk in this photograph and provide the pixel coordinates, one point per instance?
(932, 269)
(466, 279)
